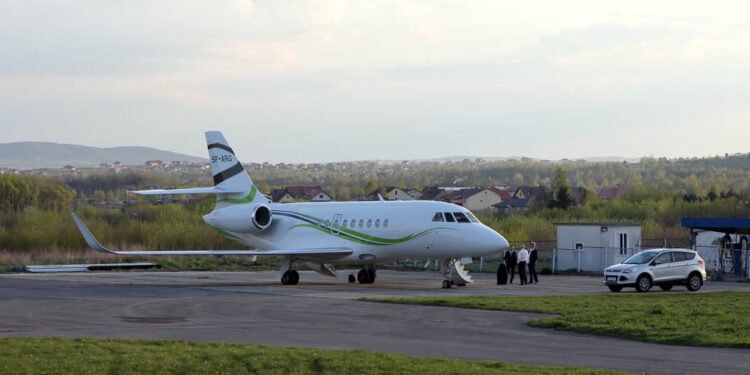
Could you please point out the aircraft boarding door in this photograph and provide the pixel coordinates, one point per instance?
(336, 224)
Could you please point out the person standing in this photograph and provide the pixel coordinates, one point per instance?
(523, 257)
(510, 261)
(532, 264)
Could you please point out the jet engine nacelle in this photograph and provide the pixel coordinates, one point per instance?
(242, 218)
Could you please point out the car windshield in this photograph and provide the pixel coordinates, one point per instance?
(641, 258)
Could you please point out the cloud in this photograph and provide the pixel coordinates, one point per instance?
(571, 77)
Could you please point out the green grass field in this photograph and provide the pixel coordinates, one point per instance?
(113, 356)
(695, 319)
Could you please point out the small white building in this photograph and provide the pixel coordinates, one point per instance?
(595, 246)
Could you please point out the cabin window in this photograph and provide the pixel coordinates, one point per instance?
(345, 222)
(377, 223)
(369, 223)
(361, 223)
(385, 223)
(471, 217)
(449, 217)
(336, 223)
(438, 217)
(460, 217)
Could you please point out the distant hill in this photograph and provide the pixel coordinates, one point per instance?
(30, 155)
(491, 158)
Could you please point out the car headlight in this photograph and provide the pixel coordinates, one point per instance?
(627, 270)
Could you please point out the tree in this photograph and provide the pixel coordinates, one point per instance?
(561, 190)
(517, 180)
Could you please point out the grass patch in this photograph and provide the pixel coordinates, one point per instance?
(96, 356)
(702, 319)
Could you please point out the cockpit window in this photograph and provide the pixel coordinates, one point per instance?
(438, 217)
(471, 217)
(449, 217)
(460, 217)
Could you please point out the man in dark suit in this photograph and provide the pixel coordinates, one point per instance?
(510, 261)
(532, 264)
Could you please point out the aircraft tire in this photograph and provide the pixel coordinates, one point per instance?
(446, 284)
(365, 277)
(286, 278)
(295, 277)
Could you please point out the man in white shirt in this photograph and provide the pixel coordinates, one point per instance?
(523, 257)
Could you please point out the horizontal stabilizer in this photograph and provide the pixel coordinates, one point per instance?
(332, 252)
(205, 190)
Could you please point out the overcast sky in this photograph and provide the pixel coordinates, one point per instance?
(303, 81)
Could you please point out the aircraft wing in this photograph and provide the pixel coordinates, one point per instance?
(332, 252)
(206, 190)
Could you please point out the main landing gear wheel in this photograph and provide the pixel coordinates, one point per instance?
(366, 276)
(290, 277)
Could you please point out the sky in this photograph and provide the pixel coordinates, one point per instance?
(317, 81)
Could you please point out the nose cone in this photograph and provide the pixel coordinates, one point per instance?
(492, 242)
(502, 242)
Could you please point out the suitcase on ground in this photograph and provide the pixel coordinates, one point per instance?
(502, 274)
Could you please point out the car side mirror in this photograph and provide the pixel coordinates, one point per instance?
(655, 263)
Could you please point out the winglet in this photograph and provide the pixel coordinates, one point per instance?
(89, 238)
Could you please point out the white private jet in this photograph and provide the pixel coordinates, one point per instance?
(322, 234)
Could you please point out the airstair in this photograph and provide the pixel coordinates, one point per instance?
(455, 274)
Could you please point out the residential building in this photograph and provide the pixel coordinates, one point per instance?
(300, 193)
(511, 206)
(537, 195)
(396, 194)
(612, 193)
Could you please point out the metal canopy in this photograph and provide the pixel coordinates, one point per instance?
(724, 225)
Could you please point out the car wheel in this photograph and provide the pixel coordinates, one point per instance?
(643, 284)
(694, 282)
(615, 288)
(665, 287)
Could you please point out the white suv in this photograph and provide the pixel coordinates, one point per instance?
(662, 267)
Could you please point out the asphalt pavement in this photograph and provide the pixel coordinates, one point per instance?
(252, 307)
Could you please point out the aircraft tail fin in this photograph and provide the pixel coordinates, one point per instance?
(228, 172)
(232, 184)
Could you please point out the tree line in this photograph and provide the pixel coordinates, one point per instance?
(34, 209)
